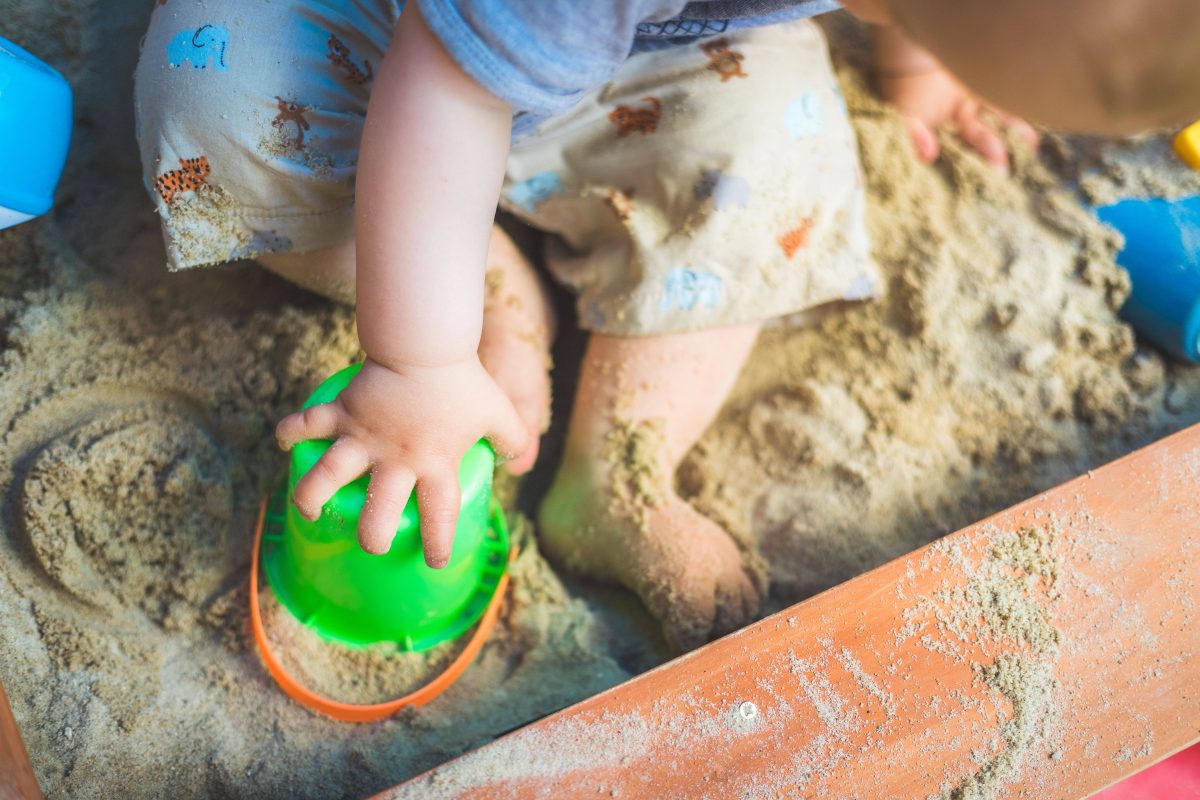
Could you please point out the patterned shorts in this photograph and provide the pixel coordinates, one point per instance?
(706, 185)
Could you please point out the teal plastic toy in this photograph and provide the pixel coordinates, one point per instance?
(35, 133)
(319, 572)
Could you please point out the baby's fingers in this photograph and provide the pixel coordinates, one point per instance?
(1022, 130)
(317, 422)
(923, 139)
(437, 503)
(979, 135)
(344, 461)
(387, 495)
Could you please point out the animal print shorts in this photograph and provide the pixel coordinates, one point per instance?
(706, 185)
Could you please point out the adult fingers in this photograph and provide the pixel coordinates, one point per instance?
(316, 422)
(437, 503)
(387, 495)
(344, 461)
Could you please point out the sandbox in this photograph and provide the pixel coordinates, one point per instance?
(136, 416)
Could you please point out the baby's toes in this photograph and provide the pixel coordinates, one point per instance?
(683, 600)
(737, 602)
(708, 590)
(699, 611)
(688, 622)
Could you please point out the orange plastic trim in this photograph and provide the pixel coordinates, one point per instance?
(350, 712)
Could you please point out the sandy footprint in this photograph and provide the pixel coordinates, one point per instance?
(131, 509)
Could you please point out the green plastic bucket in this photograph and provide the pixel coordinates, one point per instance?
(320, 574)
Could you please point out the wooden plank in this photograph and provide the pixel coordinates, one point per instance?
(17, 781)
(1048, 664)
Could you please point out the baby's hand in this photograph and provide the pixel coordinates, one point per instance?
(928, 95)
(933, 97)
(410, 427)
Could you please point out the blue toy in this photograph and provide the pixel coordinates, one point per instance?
(35, 132)
(1162, 256)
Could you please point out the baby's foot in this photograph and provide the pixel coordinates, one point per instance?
(684, 567)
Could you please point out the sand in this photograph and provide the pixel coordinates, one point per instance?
(1003, 614)
(136, 415)
(632, 449)
(1143, 166)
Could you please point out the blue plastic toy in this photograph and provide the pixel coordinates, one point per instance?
(1162, 256)
(35, 132)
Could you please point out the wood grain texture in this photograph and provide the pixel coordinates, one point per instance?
(885, 686)
(17, 781)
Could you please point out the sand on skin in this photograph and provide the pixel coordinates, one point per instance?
(136, 411)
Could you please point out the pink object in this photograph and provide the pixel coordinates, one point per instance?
(1175, 778)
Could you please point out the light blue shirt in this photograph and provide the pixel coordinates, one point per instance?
(541, 56)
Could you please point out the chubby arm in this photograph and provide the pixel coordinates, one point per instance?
(430, 168)
(431, 164)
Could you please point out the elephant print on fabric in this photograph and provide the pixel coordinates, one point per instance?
(201, 47)
(532, 192)
(686, 288)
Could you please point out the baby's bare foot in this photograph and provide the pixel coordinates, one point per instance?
(684, 567)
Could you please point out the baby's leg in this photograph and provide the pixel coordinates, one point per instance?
(708, 187)
(613, 511)
(328, 272)
(518, 320)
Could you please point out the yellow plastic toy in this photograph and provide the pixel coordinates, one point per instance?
(1187, 145)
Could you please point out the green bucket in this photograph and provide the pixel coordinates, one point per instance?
(320, 574)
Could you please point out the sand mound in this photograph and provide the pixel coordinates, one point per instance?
(136, 412)
(84, 503)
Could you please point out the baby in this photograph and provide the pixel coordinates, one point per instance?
(692, 163)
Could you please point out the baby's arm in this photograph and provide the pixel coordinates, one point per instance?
(431, 164)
